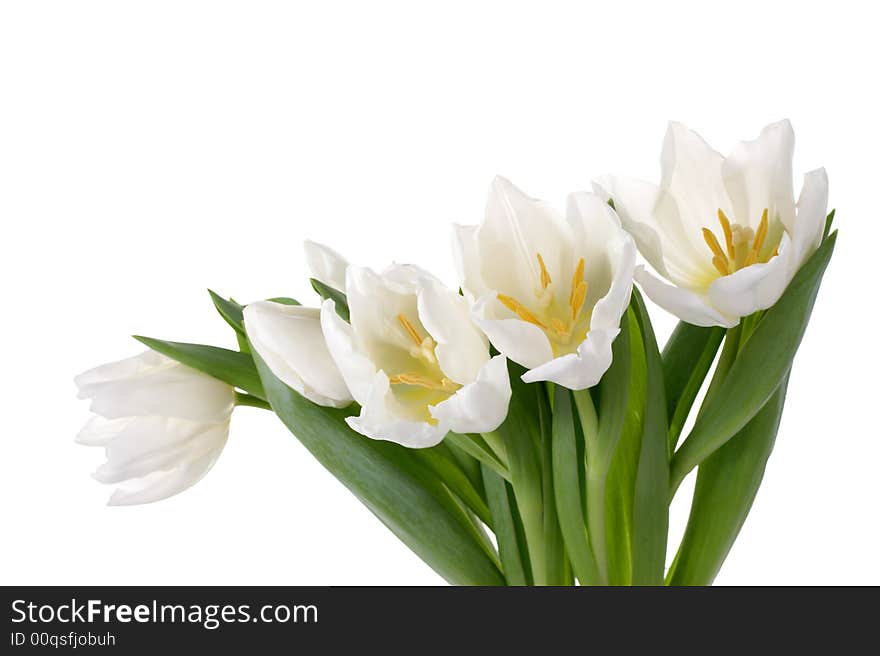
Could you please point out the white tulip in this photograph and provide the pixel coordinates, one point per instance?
(327, 266)
(548, 291)
(289, 340)
(413, 359)
(162, 425)
(726, 232)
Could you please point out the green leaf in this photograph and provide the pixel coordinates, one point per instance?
(231, 312)
(759, 367)
(447, 470)
(236, 369)
(521, 435)
(687, 358)
(829, 221)
(284, 300)
(475, 446)
(602, 440)
(727, 483)
(567, 486)
(511, 541)
(558, 568)
(621, 480)
(339, 299)
(391, 483)
(650, 509)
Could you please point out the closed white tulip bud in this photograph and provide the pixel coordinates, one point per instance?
(162, 425)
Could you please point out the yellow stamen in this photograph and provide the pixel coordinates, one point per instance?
(545, 276)
(410, 329)
(760, 236)
(713, 244)
(521, 310)
(728, 234)
(578, 296)
(721, 265)
(575, 279)
(421, 381)
(560, 328)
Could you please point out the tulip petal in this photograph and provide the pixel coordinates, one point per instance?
(683, 303)
(290, 341)
(382, 417)
(325, 264)
(579, 370)
(152, 384)
(466, 252)
(461, 349)
(757, 176)
(163, 484)
(522, 342)
(812, 210)
(356, 369)
(480, 406)
(756, 287)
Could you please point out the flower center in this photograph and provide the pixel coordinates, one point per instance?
(422, 350)
(558, 322)
(742, 245)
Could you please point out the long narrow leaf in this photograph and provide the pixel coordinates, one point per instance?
(511, 546)
(650, 510)
(386, 478)
(727, 483)
(759, 368)
(567, 486)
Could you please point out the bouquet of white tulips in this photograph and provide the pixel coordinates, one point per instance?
(523, 426)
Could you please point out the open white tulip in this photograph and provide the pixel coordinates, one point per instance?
(162, 425)
(548, 291)
(413, 359)
(289, 340)
(724, 231)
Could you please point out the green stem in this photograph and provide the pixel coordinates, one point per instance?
(725, 362)
(597, 473)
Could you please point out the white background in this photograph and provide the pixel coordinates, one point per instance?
(150, 150)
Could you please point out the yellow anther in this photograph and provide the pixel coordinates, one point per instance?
(545, 276)
(713, 244)
(721, 265)
(575, 279)
(410, 329)
(728, 234)
(418, 380)
(521, 310)
(760, 236)
(578, 296)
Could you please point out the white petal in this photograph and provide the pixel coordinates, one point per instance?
(357, 370)
(519, 340)
(596, 223)
(290, 341)
(150, 384)
(325, 264)
(756, 287)
(461, 349)
(163, 484)
(382, 418)
(152, 444)
(692, 192)
(466, 252)
(757, 175)
(582, 369)
(812, 210)
(515, 230)
(481, 406)
(98, 431)
(634, 202)
(683, 303)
